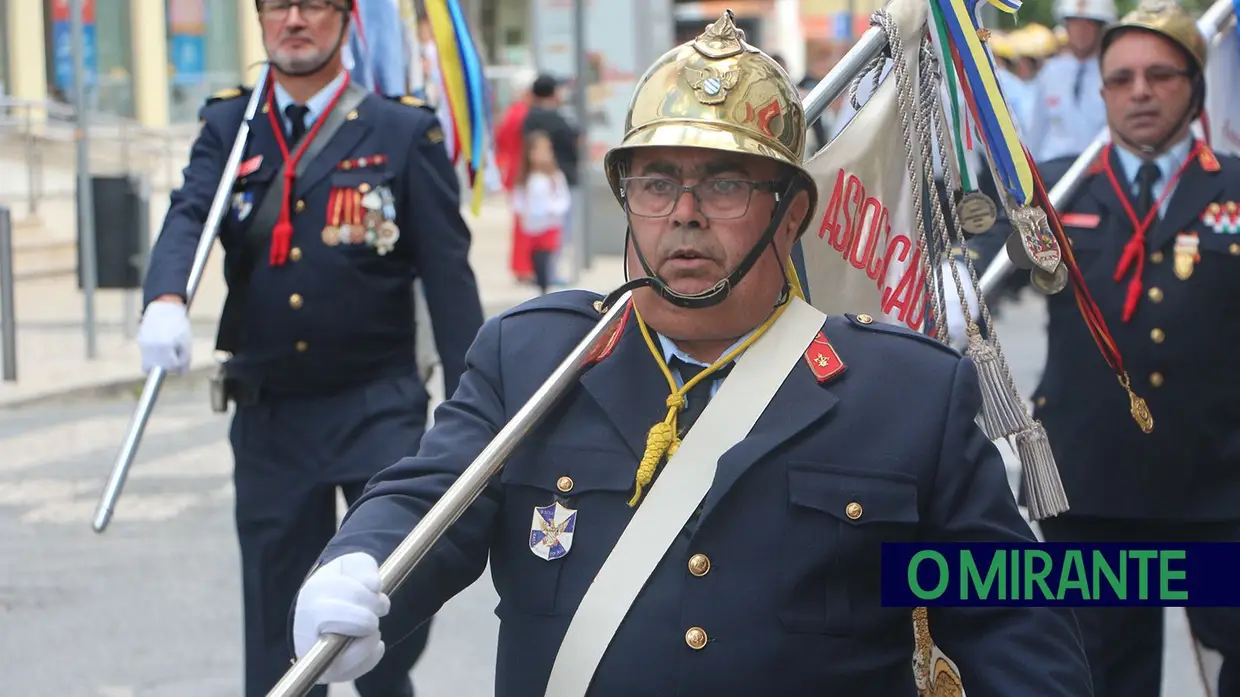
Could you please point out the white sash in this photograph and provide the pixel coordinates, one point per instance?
(677, 492)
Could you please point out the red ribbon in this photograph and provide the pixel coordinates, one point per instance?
(282, 233)
(1134, 251)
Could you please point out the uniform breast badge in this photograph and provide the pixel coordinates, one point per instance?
(242, 205)
(1187, 254)
(551, 532)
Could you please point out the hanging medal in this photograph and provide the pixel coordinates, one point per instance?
(1187, 254)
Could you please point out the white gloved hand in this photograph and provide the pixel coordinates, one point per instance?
(165, 338)
(957, 324)
(342, 597)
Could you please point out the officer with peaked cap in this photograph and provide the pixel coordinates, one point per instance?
(1168, 292)
(319, 319)
(1071, 110)
(687, 522)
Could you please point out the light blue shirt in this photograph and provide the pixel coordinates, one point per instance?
(1065, 125)
(317, 104)
(671, 350)
(1168, 164)
(1021, 98)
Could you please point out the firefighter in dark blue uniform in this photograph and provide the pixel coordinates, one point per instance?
(768, 583)
(319, 319)
(1170, 294)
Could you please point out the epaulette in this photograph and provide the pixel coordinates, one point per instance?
(581, 302)
(864, 321)
(410, 100)
(228, 93)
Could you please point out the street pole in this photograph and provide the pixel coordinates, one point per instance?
(581, 206)
(85, 204)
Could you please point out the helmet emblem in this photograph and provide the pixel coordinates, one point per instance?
(709, 85)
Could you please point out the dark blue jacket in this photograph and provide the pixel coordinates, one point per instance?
(791, 601)
(1177, 349)
(331, 316)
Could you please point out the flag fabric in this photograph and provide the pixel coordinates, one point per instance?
(465, 92)
(378, 53)
(1223, 90)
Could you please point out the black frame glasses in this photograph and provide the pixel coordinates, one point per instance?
(712, 203)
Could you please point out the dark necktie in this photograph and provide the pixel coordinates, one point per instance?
(296, 114)
(1147, 175)
(699, 395)
(1079, 84)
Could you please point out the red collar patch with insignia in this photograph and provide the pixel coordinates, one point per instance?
(823, 361)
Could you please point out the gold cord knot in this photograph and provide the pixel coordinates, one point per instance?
(658, 440)
(676, 400)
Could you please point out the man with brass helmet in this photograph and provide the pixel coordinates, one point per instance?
(748, 562)
(1153, 226)
(342, 199)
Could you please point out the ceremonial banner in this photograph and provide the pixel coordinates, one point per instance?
(862, 253)
(1223, 91)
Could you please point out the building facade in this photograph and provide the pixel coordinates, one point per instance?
(155, 61)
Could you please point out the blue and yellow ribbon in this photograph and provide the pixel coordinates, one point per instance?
(465, 88)
(990, 109)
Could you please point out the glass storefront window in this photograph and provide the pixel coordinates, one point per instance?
(109, 65)
(204, 55)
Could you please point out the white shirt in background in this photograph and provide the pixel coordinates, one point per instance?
(542, 204)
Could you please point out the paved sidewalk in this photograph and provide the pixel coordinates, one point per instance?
(51, 338)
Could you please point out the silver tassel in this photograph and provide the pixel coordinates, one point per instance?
(1003, 414)
(1044, 492)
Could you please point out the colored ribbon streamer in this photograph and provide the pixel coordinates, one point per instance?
(991, 111)
(466, 89)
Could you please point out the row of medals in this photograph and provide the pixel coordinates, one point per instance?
(375, 229)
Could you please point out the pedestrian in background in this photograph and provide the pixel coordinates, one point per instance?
(509, 151)
(540, 201)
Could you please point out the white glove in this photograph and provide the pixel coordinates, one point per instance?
(957, 325)
(342, 597)
(165, 337)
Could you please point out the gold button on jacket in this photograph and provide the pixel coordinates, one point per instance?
(699, 564)
(695, 638)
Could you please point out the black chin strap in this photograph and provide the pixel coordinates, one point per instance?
(721, 290)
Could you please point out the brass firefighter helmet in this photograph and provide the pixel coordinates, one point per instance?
(718, 93)
(1165, 18)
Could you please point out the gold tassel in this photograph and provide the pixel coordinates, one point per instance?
(1003, 414)
(658, 440)
(1043, 489)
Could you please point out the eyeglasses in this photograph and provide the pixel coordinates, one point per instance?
(277, 8)
(1156, 77)
(718, 199)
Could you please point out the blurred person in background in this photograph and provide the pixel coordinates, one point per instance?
(545, 115)
(1072, 113)
(540, 201)
(509, 149)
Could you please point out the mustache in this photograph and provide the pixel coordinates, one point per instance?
(1144, 110)
(688, 243)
